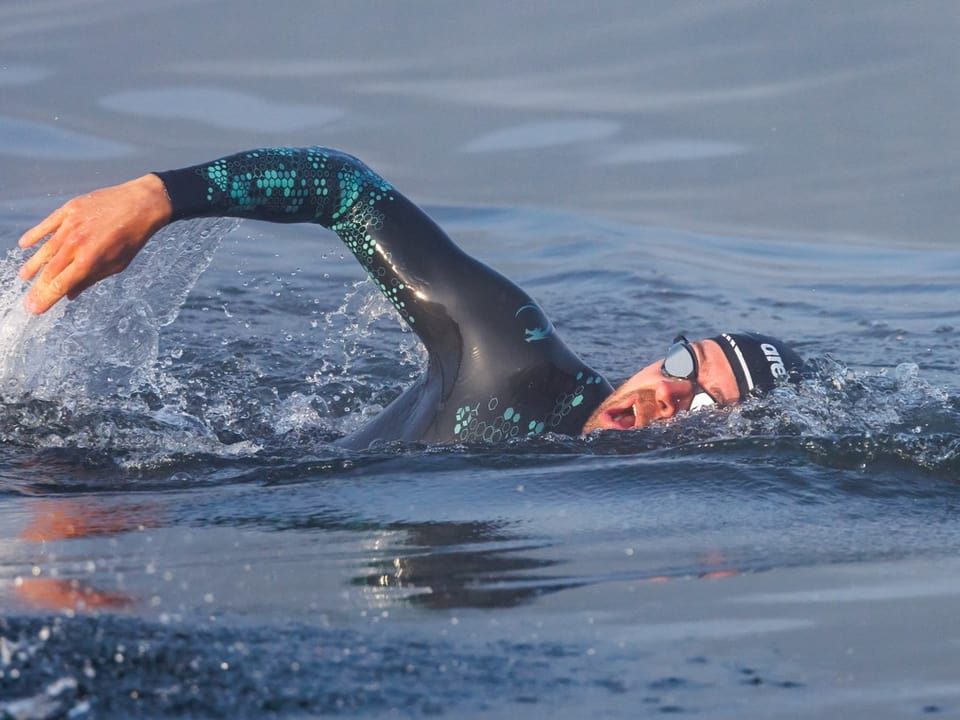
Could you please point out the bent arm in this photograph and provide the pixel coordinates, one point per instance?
(410, 259)
(305, 185)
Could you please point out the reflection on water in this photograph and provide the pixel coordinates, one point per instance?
(445, 565)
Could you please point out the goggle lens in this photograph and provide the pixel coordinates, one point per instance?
(681, 363)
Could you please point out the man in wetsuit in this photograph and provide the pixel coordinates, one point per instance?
(497, 368)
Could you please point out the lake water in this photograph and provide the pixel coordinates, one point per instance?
(179, 537)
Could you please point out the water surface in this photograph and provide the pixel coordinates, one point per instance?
(179, 536)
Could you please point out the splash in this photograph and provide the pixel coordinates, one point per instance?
(77, 376)
(834, 400)
(347, 357)
(887, 420)
(94, 376)
(107, 339)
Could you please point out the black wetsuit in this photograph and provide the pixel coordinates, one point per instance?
(497, 368)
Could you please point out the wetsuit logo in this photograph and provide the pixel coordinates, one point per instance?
(542, 329)
(777, 368)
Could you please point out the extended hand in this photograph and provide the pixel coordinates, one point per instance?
(92, 237)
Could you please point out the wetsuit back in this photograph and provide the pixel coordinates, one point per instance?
(496, 368)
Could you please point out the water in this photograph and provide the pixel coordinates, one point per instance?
(179, 537)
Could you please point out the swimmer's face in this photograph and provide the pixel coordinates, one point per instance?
(650, 395)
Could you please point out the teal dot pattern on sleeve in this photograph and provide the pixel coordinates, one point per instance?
(313, 185)
(475, 423)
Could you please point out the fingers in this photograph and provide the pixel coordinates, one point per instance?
(40, 231)
(91, 237)
(51, 225)
(62, 252)
(51, 288)
(41, 257)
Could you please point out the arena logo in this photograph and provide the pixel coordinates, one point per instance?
(777, 368)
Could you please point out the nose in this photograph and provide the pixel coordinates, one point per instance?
(672, 396)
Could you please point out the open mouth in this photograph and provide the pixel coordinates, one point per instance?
(622, 418)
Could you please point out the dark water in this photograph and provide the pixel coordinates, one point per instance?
(180, 538)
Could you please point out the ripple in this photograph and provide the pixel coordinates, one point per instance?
(222, 109)
(552, 133)
(24, 138)
(291, 68)
(908, 589)
(14, 74)
(719, 628)
(670, 151)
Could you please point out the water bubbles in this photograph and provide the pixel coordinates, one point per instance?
(906, 372)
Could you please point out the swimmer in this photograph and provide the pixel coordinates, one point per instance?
(497, 367)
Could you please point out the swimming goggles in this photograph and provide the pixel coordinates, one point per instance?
(680, 363)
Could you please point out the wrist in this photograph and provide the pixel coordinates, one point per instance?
(153, 200)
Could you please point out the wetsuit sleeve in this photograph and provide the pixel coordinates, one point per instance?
(412, 261)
